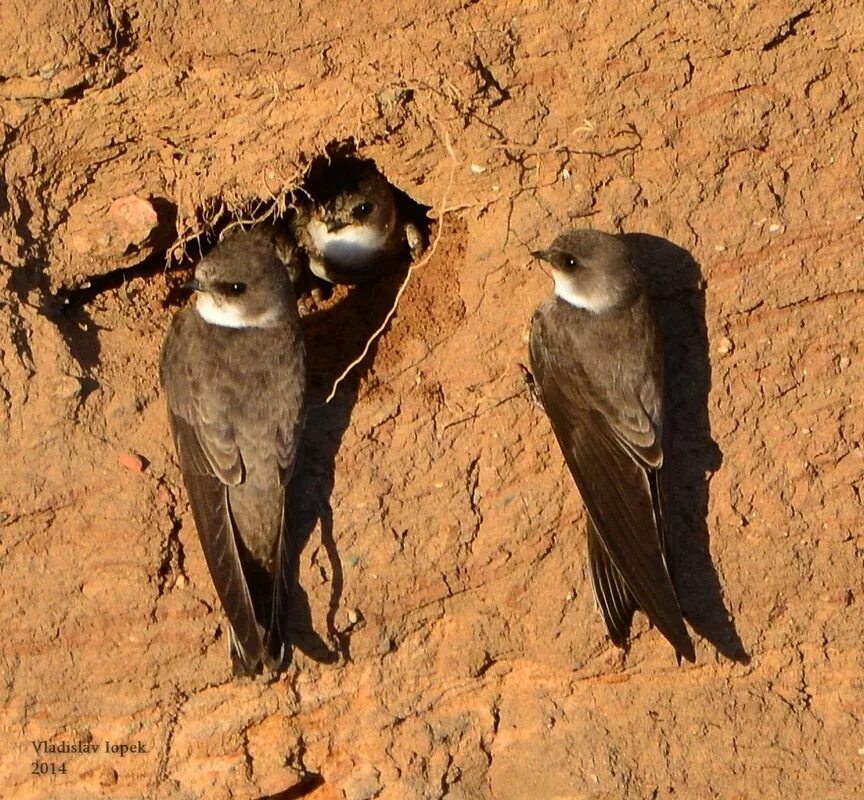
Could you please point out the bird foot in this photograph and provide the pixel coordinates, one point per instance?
(416, 243)
(531, 386)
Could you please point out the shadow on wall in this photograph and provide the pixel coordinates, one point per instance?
(334, 338)
(67, 308)
(691, 455)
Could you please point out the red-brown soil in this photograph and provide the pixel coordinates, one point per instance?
(447, 577)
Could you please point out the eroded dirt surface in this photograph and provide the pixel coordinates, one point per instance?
(452, 648)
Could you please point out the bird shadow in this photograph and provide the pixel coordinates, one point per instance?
(334, 336)
(692, 456)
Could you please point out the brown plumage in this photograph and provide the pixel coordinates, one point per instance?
(235, 382)
(352, 228)
(597, 359)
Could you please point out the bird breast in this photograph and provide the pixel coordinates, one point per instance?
(352, 245)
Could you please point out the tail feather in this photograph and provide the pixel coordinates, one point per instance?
(611, 594)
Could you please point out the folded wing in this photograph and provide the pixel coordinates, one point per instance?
(612, 452)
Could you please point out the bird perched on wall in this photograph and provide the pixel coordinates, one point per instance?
(596, 357)
(351, 226)
(233, 371)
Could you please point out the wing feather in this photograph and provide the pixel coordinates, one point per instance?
(614, 600)
(209, 499)
(611, 453)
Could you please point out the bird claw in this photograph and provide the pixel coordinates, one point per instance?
(531, 386)
(415, 240)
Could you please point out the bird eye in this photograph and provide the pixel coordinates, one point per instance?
(233, 289)
(363, 210)
(569, 262)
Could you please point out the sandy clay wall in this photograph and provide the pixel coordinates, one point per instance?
(447, 642)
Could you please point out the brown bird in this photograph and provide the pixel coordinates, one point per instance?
(352, 229)
(233, 370)
(597, 358)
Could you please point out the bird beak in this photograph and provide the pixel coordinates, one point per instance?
(192, 286)
(334, 225)
(543, 255)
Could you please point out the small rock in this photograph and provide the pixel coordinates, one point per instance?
(97, 587)
(364, 783)
(478, 169)
(107, 776)
(67, 386)
(125, 227)
(131, 220)
(354, 616)
(103, 776)
(725, 346)
(385, 646)
(49, 70)
(844, 363)
(132, 461)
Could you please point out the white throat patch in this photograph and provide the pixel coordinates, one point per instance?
(350, 246)
(229, 316)
(595, 303)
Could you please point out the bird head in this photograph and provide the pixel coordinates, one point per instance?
(592, 270)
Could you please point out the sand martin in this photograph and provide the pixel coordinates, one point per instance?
(233, 370)
(352, 228)
(597, 359)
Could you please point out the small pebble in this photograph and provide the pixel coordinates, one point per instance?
(107, 776)
(385, 646)
(67, 386)
(478, 169)
(725, 346)
(131, 220)
(353, 616)
(132, 461)
(844, 362)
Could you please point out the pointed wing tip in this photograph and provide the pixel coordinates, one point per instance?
(278, 660)
(244, 662)
(676, 634)
(686, 651)
(242, 668)
(683, 648)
